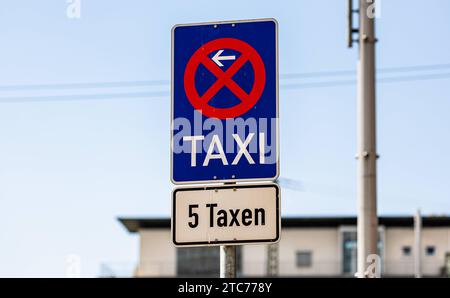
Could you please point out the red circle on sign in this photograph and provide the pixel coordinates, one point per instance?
(225, 78)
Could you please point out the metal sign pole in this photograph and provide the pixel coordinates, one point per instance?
(227, 261)
(228, 257)
(272, 259)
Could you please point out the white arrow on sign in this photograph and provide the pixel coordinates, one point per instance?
(217, 58)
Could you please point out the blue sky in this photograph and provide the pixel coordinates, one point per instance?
(71, 165)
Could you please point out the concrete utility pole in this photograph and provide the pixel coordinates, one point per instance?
(418, 245)
(367, 154)
(227, 261)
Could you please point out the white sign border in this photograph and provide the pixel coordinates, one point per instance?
(277, 103)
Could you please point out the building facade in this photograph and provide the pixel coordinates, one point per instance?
(309, 247)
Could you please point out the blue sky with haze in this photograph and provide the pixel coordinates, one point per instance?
(73, 159)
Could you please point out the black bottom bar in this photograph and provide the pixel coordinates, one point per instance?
(251, 287)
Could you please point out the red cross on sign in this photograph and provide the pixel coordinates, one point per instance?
(224, 78)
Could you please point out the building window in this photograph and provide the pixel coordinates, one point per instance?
(304, 259)
(202, 261)
(406, 250)
(198, 261)
(430, 250)
(349, 252)
(349, 247)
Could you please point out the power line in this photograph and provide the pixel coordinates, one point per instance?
(82, 97)
(412, 68)
(153, 83)
(317, 74)
(415, 68)
(156, 94)
(353, 82)
(85, 85)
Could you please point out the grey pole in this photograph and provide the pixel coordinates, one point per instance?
(367, 155)
(418, 245)
(272, 259)
(227, 261)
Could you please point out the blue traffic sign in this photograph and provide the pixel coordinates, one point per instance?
(225, 102)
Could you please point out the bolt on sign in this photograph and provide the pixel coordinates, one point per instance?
(226, 215)
(225, 102)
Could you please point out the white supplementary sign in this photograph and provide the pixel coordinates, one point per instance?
(230, 214)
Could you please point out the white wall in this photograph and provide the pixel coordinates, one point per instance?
(323, 242)
(440, 238)
(254, 260)
(157, 256)
(398, 264)
(395, 262)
